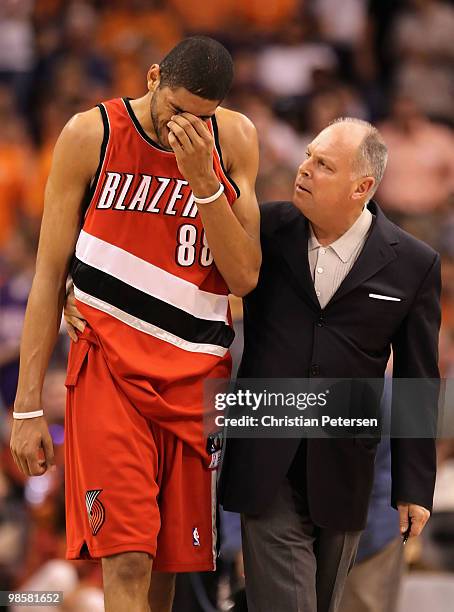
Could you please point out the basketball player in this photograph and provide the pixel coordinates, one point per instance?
(152, 201)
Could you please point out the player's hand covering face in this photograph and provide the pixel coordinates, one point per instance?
(192, 143)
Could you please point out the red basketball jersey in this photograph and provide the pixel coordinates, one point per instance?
(143, 272)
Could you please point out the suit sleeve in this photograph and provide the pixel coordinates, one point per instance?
(415, 350)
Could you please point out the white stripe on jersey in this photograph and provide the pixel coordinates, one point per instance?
(150, 279)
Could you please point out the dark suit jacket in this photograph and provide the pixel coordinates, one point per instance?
(288, 335)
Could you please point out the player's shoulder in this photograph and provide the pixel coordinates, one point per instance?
(232, 118)
(234, 126)
(80, 143)
(237, 138)
(84, 129)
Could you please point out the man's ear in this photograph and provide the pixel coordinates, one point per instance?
(365, 185)
(153, 77)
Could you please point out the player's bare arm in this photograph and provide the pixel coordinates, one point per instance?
(75, 160)
(233, 232)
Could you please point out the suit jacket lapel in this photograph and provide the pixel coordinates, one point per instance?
(292, 238)
(376, 254)
(292, 235)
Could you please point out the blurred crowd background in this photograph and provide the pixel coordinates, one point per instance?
(299, 65)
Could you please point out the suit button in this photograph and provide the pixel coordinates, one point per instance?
(315, 370)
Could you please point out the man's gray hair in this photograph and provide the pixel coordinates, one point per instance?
(372, 152)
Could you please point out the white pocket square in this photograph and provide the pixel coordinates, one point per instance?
(377, 296)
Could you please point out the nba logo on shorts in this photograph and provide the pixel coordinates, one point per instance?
(195, 537)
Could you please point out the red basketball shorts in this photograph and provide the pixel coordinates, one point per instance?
(131, 485)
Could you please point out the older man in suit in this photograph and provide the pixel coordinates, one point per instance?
(340, 285)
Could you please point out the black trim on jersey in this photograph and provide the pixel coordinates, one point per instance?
(139, 127)
(105, 139)
(148, 308)
(218, 149)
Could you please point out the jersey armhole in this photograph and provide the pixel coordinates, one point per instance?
(91, 189)
(219, 152)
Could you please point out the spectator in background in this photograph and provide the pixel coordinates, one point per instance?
(420, 175)
(15, 164)
(80, 43)
(270, 186)
(285, 68)
(423, 42)
(246, 79)
(71, 65)
(16, 47)
(207, 17)
(53, 116)
(374, 58)
(13, 526)
(132, 34)
(343, 29)
(268, 17)
(280, 144)
(19, 254)
(325, 105)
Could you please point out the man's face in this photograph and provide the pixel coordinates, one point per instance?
(326, 180)
(166, 102)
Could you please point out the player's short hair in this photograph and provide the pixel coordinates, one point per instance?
(372, 154)
(199, 64)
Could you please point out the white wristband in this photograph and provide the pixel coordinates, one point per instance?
(28, 415)
(212, 198)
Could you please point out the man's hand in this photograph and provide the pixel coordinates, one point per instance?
(31, 446)
(73, 319)
(192, 143)
(414, 514)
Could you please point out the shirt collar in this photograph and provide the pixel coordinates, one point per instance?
(345, 245)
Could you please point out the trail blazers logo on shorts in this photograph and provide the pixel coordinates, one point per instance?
(95, 509)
